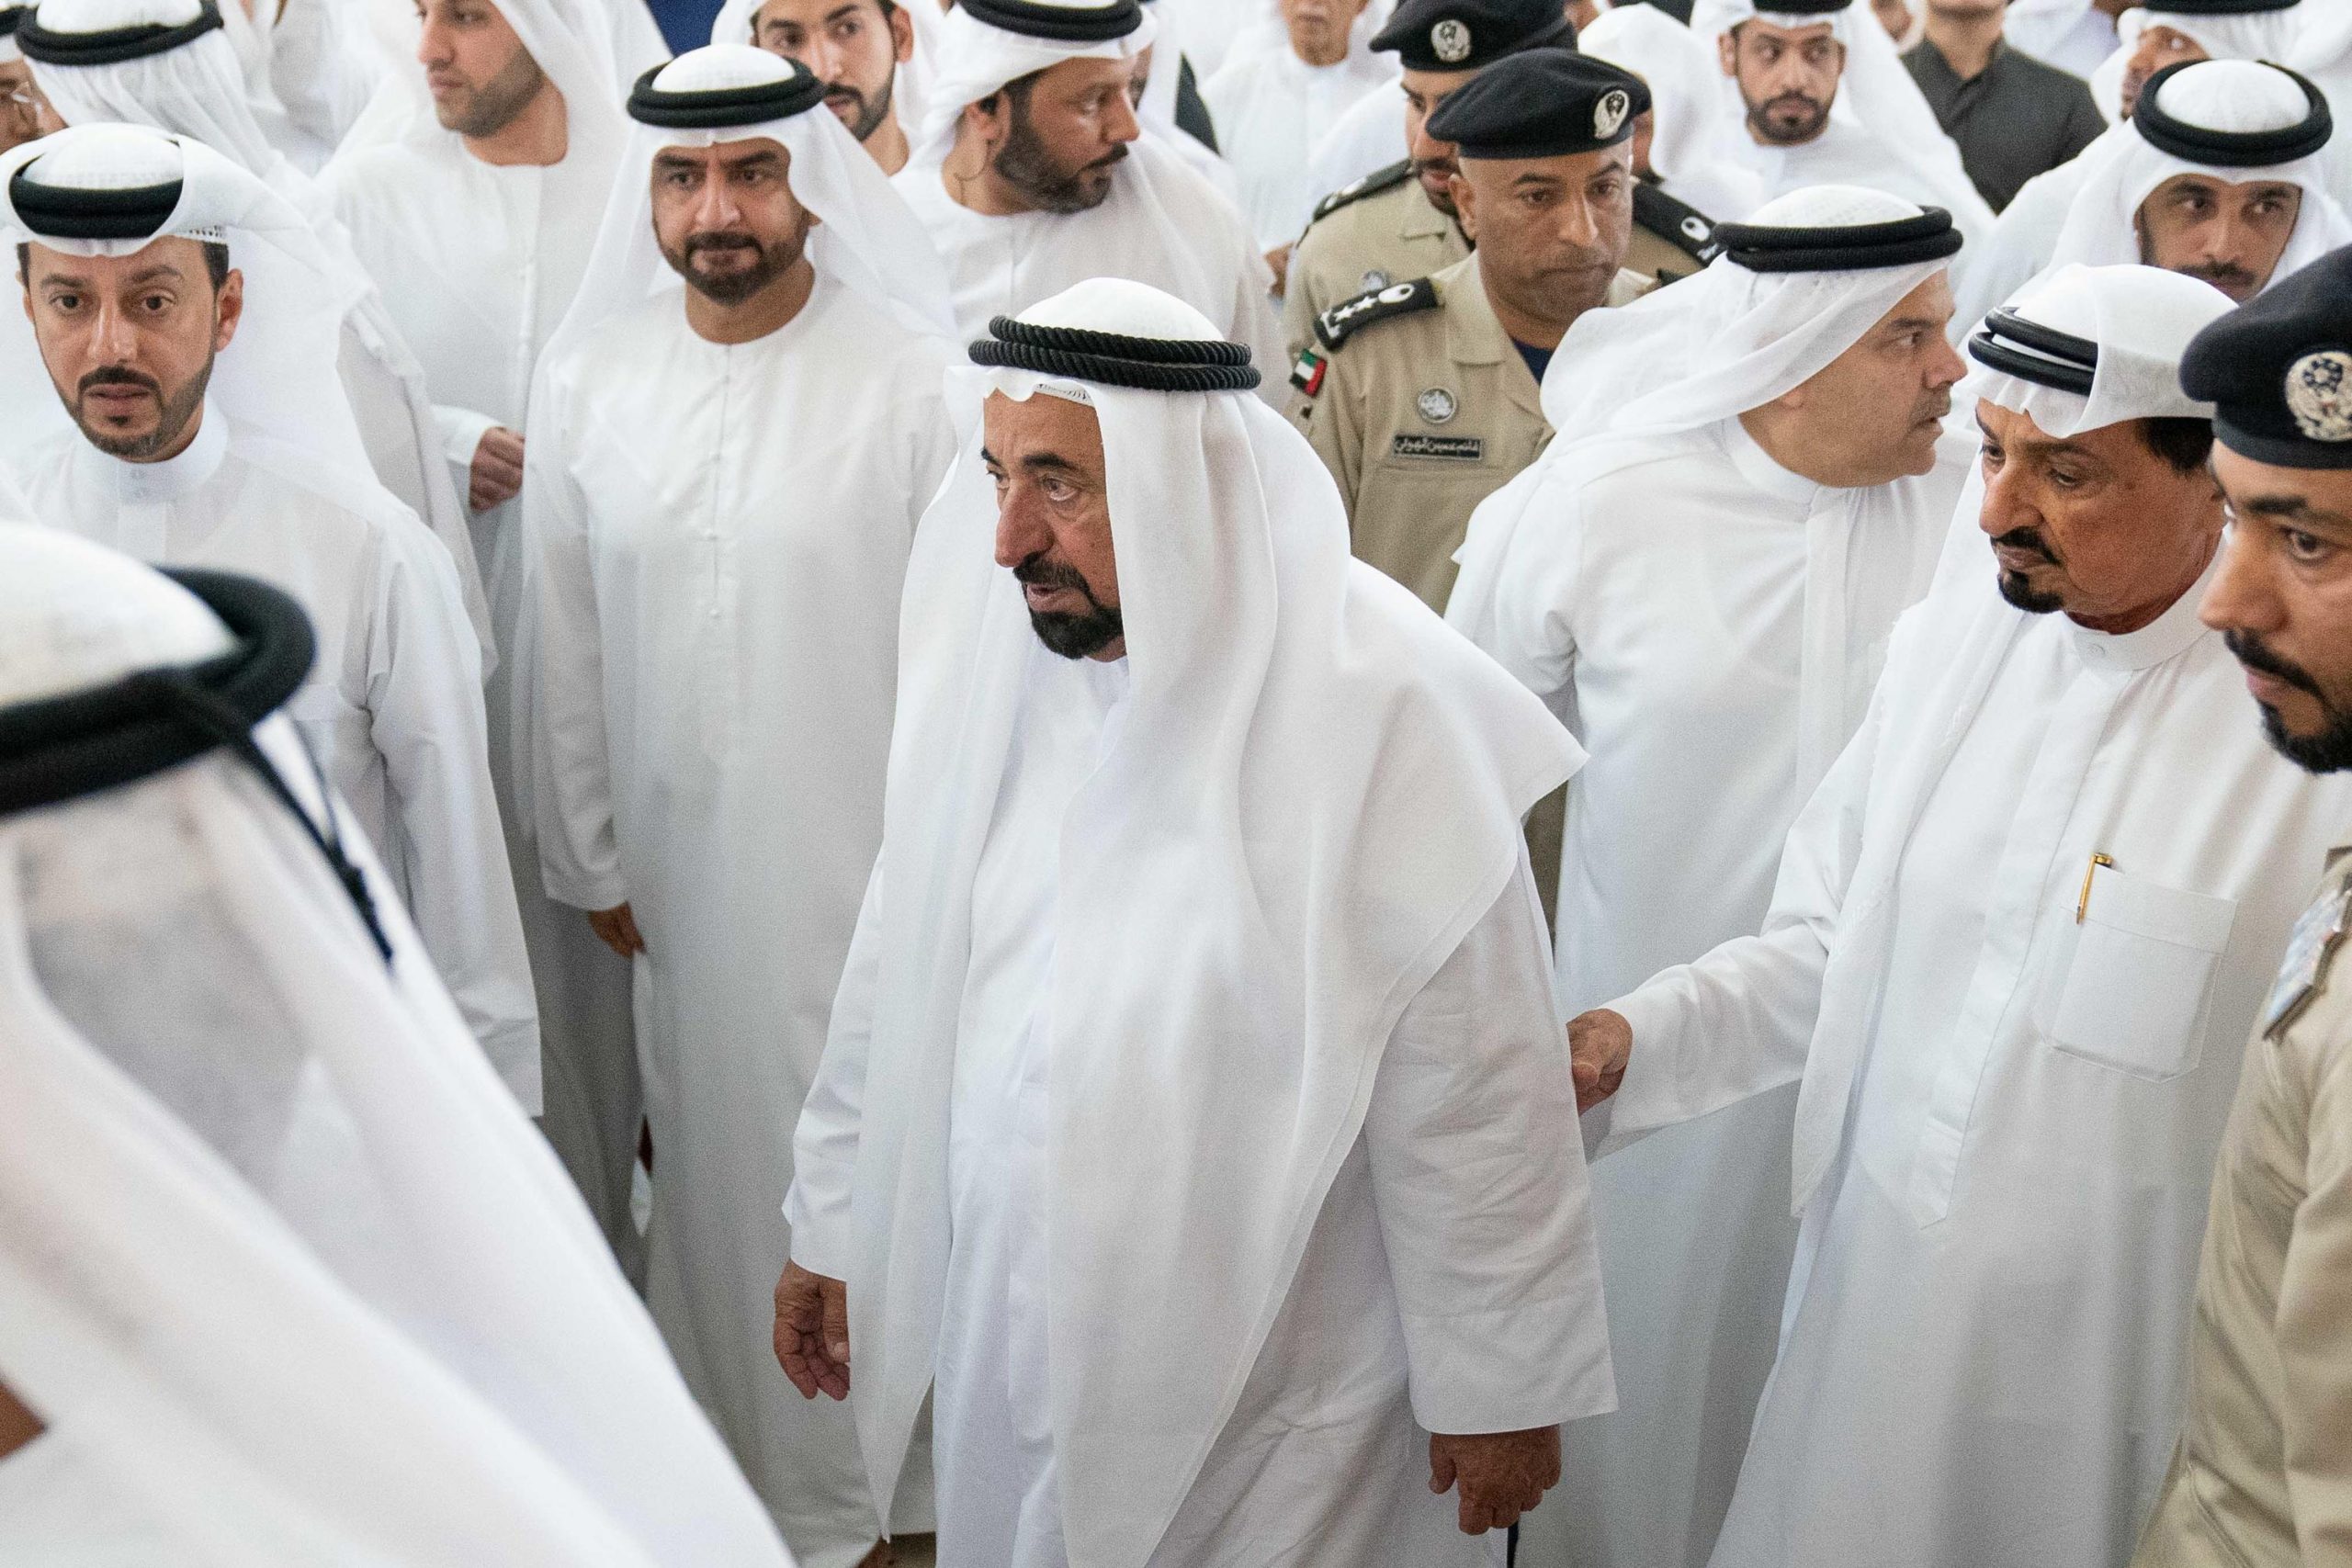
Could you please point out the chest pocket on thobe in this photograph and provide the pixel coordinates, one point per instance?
(2141, 977)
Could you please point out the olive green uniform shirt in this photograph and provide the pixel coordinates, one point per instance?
(1379, 231)
(2262, 1477)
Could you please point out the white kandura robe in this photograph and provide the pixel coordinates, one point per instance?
(1271, 109)
(1455, 1179)
(1712, 624)
(1162, 224)
(477, 265)
(392, 708)
(717, 616)
(2008, 1118)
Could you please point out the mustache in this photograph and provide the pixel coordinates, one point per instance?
(1799, 100)
(119, 375)
(723, 240)
(2027, 539)
(2250, 651)
(2218, 273)
(1038, 572)
(1113, 156)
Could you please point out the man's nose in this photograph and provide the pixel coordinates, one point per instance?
(1946, 367)
(717, 207)
(433, 44)
(1119, 123)
(1020, 532)
(2241, 596)
(113, 340)
(2005, 508)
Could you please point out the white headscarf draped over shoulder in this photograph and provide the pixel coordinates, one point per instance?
(1315, 794)
(282, 1267)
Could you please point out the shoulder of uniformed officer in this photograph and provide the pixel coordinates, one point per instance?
(1373, 184)
(1344, 320)
(1676, 221)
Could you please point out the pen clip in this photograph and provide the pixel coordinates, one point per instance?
(2083, 904)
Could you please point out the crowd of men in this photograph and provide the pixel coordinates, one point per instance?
(1176, 784)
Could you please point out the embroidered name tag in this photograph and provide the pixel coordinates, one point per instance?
(1454, 448)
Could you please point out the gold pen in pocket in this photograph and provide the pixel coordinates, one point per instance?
(2083, 904)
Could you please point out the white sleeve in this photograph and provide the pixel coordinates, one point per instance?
(1528, 623)
(1739, 1019)
(1480, 1185)
(425, 717)
(824, 1145)
(579, 860)
(461, 431)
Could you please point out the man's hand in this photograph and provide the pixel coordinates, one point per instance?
(496, 474)
(812, 1334)
(1501, 1474)
(1599, 1043)
(1278, 259)
(616, 928)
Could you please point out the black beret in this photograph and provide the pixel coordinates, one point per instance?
(2232, 149)
(1462, 35)
(1542, 103)
(2278, 369)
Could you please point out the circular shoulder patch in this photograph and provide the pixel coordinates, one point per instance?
(1437, 405)
(2318, 394)
(1374, 279)
(1450, 40)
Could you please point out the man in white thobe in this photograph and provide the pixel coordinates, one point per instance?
(1195, 1223)
(723, 483)
(286, 1278)
(2224, 175)
(475, 213)
(173, 70)
(2018, 937)
(1813, 93)
(211, 433)
(1032, 172)
(1768, 438)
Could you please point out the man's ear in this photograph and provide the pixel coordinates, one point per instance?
(902, 32)
(228, 309)
(1465, 204)
(1727, 51)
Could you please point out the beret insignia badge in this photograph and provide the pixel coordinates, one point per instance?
(2318, 394)
(1450, 40)
(1611, 112)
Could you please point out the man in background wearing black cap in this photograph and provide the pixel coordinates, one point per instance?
(1399, 223)
(1422, 396)
(2263, 1476)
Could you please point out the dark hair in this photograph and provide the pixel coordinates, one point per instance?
(2185, 443)
(1018, 89)
(216, 262)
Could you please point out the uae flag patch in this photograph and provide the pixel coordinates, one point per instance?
(1308, 373)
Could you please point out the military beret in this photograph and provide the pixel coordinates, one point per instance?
(1542, 104)
(1462, 35)
(2278, 369)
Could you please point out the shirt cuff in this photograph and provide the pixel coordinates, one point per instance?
(823, 1242)
(460, 431)
(1511, 1370)
(1649, 1097)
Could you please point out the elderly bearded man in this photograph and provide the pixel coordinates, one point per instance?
(1033, 172)
(187, 319)
(2017, 936)
(723, 483)
(1768, 436)
(2224, 175)
(476, 221)
(1199, 1225)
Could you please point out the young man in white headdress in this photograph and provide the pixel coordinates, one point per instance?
(1768, 438)
(286, 1278)
(2224, 175)
(863, 51)
(2017, 936)
(2157, 33)
(475, 211)
(1033, 172)
(168, 63)
(1196, 1227)
(1271, 104)
(724, 482)
(1813, 93)
(185, 320)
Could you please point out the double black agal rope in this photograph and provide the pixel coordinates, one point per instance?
(1851, 247)
(2032, 351)
(2232, 149)
(63, 748)
(1155, 364)
(112, 46)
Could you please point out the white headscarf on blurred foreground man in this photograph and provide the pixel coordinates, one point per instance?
(2018, 937)
(1767, 438)
(283, 1274)
(213, 431)
(723, 488)
(1203, 939)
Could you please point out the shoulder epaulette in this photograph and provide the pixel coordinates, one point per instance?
(1677, 223)
(1373, 184)
(1348, 317)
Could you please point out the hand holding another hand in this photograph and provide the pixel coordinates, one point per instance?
(1600, 1043)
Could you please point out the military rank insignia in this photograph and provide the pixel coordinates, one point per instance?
(1308, 373)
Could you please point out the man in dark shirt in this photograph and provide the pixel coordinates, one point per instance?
(2012, 116)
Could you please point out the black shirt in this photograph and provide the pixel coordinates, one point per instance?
(2015, 118)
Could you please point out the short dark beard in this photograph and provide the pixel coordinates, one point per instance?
(172, 415)
(2014, 586)
(2329, 750)
(1768, 132)
(869, 116)
(734, 288)
(1072, 637)
(494, 106)
(1442, 203)
(1024, 164)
